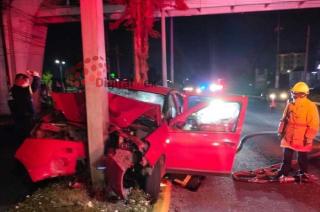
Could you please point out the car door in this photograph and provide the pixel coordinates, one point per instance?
(205, 137)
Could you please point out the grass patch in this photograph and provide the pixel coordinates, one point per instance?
(61, 197)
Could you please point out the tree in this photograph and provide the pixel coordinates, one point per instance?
(139, 17)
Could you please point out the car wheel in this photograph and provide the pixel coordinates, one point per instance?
(152, 182)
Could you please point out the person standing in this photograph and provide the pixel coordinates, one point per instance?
(21, 104)
(298, 127)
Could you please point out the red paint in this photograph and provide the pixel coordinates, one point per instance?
(117, 165)
(93, 67)
(72, 105)
(157, 141)
(46, 158)
(124, 111)
(87, 60)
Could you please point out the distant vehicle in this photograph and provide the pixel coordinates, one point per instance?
(216, 86)
(279, 95)
(153, 131)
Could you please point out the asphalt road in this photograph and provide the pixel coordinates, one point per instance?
(222, 193)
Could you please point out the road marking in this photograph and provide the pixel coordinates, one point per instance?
(163, 203)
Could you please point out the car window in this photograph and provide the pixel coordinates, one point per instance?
(194, 100)
(218, 116)
(139, 95)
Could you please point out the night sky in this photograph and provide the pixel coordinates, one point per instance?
(228, 46)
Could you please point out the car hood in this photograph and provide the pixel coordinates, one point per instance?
(122, 111)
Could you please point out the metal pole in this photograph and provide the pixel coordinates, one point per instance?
(306, 54)
(118, 60)
(171, 51)
(61, 77)
(164, 49)
(277, 74)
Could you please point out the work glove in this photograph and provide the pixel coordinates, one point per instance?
(33, 73)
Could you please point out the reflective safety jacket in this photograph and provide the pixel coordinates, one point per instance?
(301, 124)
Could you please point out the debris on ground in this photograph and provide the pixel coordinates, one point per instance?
(62, 197)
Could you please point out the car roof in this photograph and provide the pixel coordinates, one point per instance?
(142, 87)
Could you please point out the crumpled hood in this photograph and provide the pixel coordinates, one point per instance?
(72, 105)
(122, 111)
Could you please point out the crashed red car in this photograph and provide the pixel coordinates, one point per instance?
(153, 131)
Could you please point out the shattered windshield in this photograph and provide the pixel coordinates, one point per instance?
(139, 95)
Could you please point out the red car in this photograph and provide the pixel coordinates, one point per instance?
(153, 131)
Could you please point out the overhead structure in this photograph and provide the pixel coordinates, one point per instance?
(57, 11)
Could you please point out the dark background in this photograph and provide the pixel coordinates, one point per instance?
(227, 46)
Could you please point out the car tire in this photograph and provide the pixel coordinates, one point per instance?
(152, 182)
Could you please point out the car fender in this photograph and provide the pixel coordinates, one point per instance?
(47, 158)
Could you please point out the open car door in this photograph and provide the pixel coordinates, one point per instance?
(204, 139)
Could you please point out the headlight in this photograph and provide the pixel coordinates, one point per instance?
(283, 96)
(272, 96)
(198, 90)
(215, 87)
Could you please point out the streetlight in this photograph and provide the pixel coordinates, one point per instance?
(60, 63)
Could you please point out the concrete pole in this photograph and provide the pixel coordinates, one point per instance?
(137, 43)
(95, 71)
(171, 51)
(277, 74)
(164, 49)
(306, 58)
(136, 54)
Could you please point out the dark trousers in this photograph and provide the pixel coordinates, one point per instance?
(287, 158)
(23, 126)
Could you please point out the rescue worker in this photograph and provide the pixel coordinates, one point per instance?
(298, 127)
(21, 104)
(272, 104)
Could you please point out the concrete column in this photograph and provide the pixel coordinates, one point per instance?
(4, 109)
(24, 40)
(164, 49)
(95, 70)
